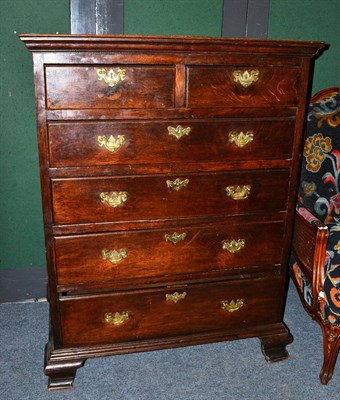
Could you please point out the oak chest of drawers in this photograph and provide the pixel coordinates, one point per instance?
(169, 169)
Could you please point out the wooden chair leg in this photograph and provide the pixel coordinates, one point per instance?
(331, 345)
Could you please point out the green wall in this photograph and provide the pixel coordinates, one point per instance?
(174, 17)
(21, 241)
(311, 20)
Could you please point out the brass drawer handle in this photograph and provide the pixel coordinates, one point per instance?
(179, 131)
(111, 77)
(238, 192)
(177, 184)
(232, 305)
(175, 237)
(175, 297)
(113, 199)
(117, 318)
(241, 139)
(114, 256)
(112, 143)
(246, 78)
(233, 246)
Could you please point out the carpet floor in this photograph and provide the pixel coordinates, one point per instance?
(222, 371)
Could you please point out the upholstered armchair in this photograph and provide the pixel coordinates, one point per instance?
(315, 264)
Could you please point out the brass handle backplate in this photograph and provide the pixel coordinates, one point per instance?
(114, 256)
(246, 78)
(233, 246)
(112, 143)
(113, 199)
(241, 139)
(175, 297)
(238, 192)
(179, 131)
(111, 77)
(117, 318)
(177, 184)
(175, 237)
(232, 306)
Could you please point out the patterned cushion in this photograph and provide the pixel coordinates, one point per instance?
(320, 195)
(329, 300)
(304, 284)
(319, 190)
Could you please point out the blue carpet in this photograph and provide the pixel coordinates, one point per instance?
(223, 371)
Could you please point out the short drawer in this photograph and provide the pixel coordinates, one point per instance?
(106, 86)
(242, 86)
(107, 143)
(155, 253)
(152, 314)
(132, 198)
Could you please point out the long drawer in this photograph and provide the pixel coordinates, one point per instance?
(132, 198)
(149, 314)
(165, 252)
(242, 86)
(109, 86)
(134, 142)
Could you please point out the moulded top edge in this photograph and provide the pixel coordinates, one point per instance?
(56, 42)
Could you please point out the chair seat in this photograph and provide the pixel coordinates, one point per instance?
(329, 299)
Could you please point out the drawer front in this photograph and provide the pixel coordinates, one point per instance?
(254, 87)
(102, 143)
(86, 200)
(78, 87)
(168, 313)
(156, 253)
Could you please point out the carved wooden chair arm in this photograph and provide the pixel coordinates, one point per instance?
(309, 248)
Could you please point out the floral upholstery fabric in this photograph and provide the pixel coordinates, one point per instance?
(319, 190)
(304, 284)
(319, 197)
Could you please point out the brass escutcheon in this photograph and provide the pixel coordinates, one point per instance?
(114, 256)
(238, 192)
(175, 237)
(117, 318)
(112, 143)
(111, 77)
(175, 297)
(246, 78)
(232, 305)
(177, 184)
(179, 131)
(241, 139)
(113, 199)
(233, 246)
